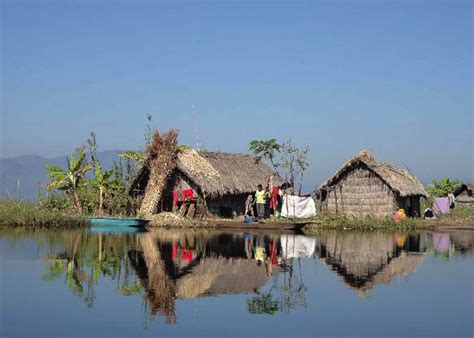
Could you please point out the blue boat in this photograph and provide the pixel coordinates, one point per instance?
(118, 222)
(107, 229)
(117, 225)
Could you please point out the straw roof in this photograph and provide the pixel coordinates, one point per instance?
(217, 173)
(399, 267)
(397, 179)
(216, 276)
(365, 260)
(469, 187)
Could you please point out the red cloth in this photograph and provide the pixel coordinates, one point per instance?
(187, 255)
(188, 194)
(274, 198)
(273, 253)
(174, 251)
(175, 198)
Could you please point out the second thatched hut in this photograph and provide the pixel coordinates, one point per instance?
(363, 186)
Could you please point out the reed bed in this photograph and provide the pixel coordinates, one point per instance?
(24, 214)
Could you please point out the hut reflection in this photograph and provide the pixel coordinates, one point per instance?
(365, 260)
(187, 265)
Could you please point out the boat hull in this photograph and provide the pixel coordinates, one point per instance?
(118, 222)
(261, 226)
(107, 229)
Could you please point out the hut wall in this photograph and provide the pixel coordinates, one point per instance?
(361, 192)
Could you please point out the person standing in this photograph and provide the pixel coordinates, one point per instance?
(260, 202)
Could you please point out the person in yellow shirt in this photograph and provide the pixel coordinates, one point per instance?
(260, 200)
(259, 252)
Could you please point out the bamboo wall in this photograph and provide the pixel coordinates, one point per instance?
(357, 255)
(361, 192)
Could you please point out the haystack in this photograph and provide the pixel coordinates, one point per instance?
(363, 186)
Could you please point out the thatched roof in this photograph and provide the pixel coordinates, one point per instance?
(365, 260)
(217, 173)
(464, 187)
(216, 276)
(397, 179)
(398, 267)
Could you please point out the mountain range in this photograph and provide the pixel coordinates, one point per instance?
(23, 176)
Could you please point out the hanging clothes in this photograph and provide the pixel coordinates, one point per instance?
(188, 194)
(293, 246)
(187, 255)
(174, 250)
(451, 201)
(274, 199)
(273, 253)
(175, 198)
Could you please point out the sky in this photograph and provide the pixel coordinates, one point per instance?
(395, 77)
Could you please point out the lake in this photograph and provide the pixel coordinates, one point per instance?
(239, 284)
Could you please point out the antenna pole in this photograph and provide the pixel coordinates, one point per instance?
(196, 132)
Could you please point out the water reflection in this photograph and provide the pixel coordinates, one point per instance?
(365, 260)
(165, 266)
(84, 258)
(188, 265)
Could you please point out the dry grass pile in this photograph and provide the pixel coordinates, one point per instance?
(162, 162)
(170, 219)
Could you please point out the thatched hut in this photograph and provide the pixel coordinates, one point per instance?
(363, 186)
(365, 260)
(220, 181)
(464, 193)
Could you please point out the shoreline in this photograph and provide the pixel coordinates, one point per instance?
(20, 214)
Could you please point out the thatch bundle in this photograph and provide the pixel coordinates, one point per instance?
(161, 161)
(159, 288)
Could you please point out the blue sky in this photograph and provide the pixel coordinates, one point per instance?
(394, 77)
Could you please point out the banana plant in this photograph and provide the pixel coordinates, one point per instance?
(103, 183)
(138, 156)
(68, 179)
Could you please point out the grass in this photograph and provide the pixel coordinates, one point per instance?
(462, 213)
(347, 222)
(22, 214)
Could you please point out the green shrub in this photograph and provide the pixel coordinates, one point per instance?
(443, 187)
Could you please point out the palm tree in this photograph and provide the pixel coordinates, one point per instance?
(161, 162)
(69, 179)
(103, 182)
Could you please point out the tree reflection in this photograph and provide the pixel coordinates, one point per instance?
(85, 258)
(262, 303)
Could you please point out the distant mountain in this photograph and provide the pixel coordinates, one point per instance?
(24, 175)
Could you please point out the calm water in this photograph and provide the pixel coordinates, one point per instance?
(185, 283)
